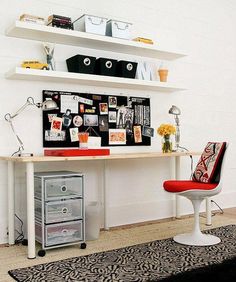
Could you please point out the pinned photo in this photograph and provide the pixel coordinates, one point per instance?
(77, 121)
(117, 136)
(112, 102)
(74, 134)
(56, 124)
(67, 118)
(51, 116)
(90, 111)
(137, 134)
(148, 131)
(54, 136)
(81, 108)
(103, 123)
(90, 120)
(112, 116)
(103, 108)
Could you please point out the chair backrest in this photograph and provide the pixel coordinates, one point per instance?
(208, 167)
(222, 165)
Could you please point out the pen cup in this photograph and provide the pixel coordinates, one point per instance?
(83, 139)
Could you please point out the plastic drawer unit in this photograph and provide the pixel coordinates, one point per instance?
(59, 209)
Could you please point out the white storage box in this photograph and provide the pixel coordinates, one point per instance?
(92, 24)
(118, 29)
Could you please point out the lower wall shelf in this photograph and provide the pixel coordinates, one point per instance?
(90, 80)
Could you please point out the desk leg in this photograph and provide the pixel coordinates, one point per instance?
(105, 197)
(177, 176)
(30, 209)
(11, 203)
(208, 211)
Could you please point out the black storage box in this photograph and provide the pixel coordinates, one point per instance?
(81, 64)
(126, 69)
(105, 66)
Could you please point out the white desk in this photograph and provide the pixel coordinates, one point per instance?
(30, 161)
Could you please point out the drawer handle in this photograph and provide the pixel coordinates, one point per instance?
(63, 188)
(92, 22)
(129, 67)
(64, 232)
(108, 64)
(87, 61)
(64, 210)
(120, 28)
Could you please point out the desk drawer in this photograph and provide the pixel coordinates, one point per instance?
(63, 210)
(59, 234)
(63, 188)
(59, 211)
(56, 234)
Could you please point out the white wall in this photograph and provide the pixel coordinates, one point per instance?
(204, 29)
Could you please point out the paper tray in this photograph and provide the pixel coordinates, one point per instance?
(77, 152)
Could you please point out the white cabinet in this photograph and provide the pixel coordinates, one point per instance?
(59, 209)
(93, 41)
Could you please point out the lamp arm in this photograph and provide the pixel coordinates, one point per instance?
(29, 102)
(21, 147)
(177, 120)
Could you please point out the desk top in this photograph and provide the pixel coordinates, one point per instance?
(41, 158)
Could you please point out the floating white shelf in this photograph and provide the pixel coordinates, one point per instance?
(89, 79)
(88, 40)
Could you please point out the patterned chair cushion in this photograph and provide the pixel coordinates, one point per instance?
(208, 167)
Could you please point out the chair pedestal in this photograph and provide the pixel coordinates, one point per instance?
(196, 237)
(196, 240)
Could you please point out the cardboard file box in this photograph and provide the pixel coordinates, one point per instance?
(126, 69)
(105, 66)
(118, 29)
(81, 64)
(92, 24)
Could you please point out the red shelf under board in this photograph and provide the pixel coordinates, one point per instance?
(76, 152)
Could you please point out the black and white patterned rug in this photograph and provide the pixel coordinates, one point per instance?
(152, 261)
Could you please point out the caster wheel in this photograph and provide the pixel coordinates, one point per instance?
(41, 253)
(25, 242)
(83, 246)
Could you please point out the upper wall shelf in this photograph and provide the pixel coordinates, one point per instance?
(91, 80)
(88, 40)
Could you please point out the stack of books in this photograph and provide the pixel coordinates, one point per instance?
(60, 21)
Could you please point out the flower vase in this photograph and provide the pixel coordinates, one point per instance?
(166, 144)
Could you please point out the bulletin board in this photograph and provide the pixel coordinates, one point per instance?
(117, 120)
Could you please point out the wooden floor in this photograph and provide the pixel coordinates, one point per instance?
(15, 256)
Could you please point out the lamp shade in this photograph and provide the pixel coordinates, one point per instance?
(49, 105)
(174, 110)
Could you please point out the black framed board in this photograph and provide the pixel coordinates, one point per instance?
(117, 120)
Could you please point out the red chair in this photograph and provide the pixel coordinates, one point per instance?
(206, 182)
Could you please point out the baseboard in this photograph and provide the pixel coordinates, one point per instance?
(156, 210)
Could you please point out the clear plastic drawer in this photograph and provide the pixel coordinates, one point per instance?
(59, 211)
(63, 210)
(63, 188)
(63, 233)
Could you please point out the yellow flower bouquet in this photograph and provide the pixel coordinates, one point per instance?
(166, 130)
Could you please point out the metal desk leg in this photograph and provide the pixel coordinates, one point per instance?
(208, 211)
(105, 198)
(30, 209)
(11, 203)
(177, 176)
